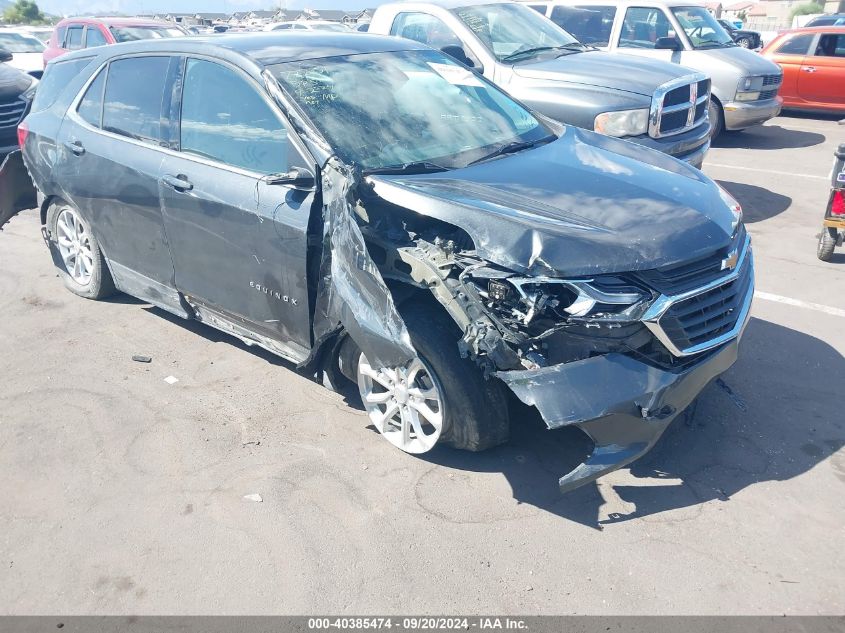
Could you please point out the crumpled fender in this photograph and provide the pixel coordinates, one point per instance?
(16, 189)
(351, 291)
(621, 403)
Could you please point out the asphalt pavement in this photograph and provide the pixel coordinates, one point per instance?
(123, 492)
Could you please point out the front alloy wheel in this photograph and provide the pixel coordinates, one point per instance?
(74, 243)
(405, 404)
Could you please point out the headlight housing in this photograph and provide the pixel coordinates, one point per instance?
(734, 206)
(29, 93)
(749, 88)
(601, 299)
(622, 122)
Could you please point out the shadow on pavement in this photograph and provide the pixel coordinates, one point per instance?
(757, 203)
(768, 137)
(757, 423)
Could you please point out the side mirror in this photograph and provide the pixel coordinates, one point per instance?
(459, 55)
(5, 56)
(297, 177)
(668, 43)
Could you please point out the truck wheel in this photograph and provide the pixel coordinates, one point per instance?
(744, 42)
(717, 121)
(80, 261)
(438, 397)
(827, 242)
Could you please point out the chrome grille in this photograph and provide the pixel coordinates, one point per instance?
(11, 112)
(710, 315)
(679, 105)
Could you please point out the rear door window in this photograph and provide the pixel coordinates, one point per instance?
(133, 97)
(94, 37)
(643, 27)
(225, 119)
(56, 77)
(796, 45)
(831, 45)
(73, 41)
(91, 106)
(589, 24)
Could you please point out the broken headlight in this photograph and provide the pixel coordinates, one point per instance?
(603, 299)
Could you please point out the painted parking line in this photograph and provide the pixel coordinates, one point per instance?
(807, 305)
(766, 171)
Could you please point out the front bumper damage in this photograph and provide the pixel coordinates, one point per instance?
(621, 403)
(621, 400)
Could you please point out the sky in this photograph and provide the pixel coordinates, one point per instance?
(130, 7)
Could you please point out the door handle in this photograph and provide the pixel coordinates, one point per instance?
(809, 69)
(179, 183)
(75, 147)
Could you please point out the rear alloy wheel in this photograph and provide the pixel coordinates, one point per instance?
(405, 404)
(74, 244)
(77, 254)
(827, 242)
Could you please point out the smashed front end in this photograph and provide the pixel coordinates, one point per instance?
(619, 356)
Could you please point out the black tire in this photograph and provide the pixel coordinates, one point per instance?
(717, 119)
(476, 410)
(101, 284)
(744, 42)
(827, 242)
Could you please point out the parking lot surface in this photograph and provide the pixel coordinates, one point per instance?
(124, 492)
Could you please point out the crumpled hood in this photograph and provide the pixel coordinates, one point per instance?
(639, 75)
(581, 205)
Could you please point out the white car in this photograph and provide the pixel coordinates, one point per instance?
(307, 25)
(26, 51)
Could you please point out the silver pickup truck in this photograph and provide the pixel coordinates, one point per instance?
(653, 103)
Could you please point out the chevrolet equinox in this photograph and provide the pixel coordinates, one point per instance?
(376, 212)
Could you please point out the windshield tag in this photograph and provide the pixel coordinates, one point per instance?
(456, 75)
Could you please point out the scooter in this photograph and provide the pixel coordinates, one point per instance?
(833, 227)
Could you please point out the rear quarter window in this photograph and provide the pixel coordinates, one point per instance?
(56, 77)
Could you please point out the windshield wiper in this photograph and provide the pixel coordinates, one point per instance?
(539, 49)
(714, 44)
(512, 148)
(416, 167)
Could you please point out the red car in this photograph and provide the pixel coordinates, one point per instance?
(74, 33)
(813, 62)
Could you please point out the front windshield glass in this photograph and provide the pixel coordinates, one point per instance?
(132, 33)
(380, 110)
(516, 31)
(701, 28)
(19, 43)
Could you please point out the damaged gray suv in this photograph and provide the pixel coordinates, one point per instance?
(373, 211)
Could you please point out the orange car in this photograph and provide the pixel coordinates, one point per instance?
(813, 62)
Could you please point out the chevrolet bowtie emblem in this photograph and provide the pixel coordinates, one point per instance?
(729, 263)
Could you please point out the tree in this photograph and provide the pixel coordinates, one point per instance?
(802, 9)
(23, 12)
